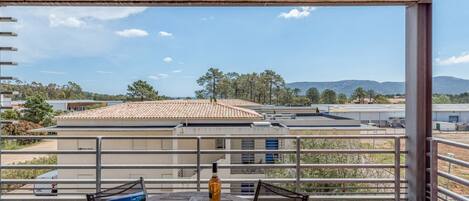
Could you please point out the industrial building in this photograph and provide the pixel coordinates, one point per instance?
(388, 114)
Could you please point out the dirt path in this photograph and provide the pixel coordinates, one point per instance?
(46, 145)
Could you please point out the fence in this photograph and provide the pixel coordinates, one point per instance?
(438, 192)
(394, 182)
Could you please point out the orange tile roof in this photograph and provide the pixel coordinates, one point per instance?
(168, 109)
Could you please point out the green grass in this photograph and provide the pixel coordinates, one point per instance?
(12, 145)
(27, 173)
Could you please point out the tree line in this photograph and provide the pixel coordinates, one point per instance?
(138, 90)
(269, 87)
(52, 91)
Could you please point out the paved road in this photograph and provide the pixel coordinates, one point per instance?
(45, 145)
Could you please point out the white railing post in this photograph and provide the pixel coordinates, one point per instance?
(198, 164)
(434, 170)
(298, 163)
(98, 163)
(397, 168)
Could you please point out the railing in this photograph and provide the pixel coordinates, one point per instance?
(437, 191)
(391, 187)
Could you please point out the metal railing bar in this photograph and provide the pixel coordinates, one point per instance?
(454, 178)
(149, 152)
(194, 181)
(452, 143)
(452, 194)
(48, 167)
(298, 163)
(454, 161)
(198, 164)
(8, 34)
(47, 137)
(47, 152)
(209, 137)
(98, 164)
(433, 170)
(202, 166)
(305, 151)
(397, 169)
(8, 19)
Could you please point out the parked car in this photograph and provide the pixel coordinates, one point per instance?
(46, 189)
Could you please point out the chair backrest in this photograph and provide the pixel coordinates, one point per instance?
(134, 191)
(265, 189)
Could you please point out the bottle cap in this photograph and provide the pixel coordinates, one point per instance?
(214, 168)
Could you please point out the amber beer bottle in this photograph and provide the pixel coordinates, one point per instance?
(214, 185)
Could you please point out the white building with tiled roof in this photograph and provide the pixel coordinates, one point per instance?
(168, 118)
(160, 118)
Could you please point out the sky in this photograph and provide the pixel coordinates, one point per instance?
(105, 49)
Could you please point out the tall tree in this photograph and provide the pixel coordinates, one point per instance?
(272, 79)
(210, 82)
(359, 94)
(371, 95)
(328, 96)
(142, 90)
(37, 110)
(72, 90)
(234, 81)
(342, 98)
(313, 95)
(380, 99)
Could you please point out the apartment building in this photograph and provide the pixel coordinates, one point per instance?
(180, 118)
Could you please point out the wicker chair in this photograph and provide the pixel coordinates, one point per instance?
(265, 189)
(132, 191)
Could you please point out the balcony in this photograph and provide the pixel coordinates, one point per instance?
(384, 161)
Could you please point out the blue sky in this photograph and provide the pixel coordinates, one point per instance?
(105, 49)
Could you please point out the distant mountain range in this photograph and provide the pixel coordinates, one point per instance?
(441, 84)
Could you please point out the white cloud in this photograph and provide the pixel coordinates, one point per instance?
(168, 60)
(90, 38)
(165, 34)
(177, 71)
(103, 72)
(74, 22)
(132, 33)
(297, 13)
(463, 58)
(76, 16)
(53, 72)
(159, 76)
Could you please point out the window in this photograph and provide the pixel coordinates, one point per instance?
(454, 118)
(271, 144)
(220, 143)
(247, 144)
(247, 188)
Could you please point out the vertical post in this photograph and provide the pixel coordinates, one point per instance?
(434, 170)
(397, 168)
(98, 163)
(298, 163)
(198, 164)
(418, 86)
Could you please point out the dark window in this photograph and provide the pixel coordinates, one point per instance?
(271, 144)
(247, 144)
(247, 188)
(454, 119)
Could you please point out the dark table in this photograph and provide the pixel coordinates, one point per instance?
(191, 196)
